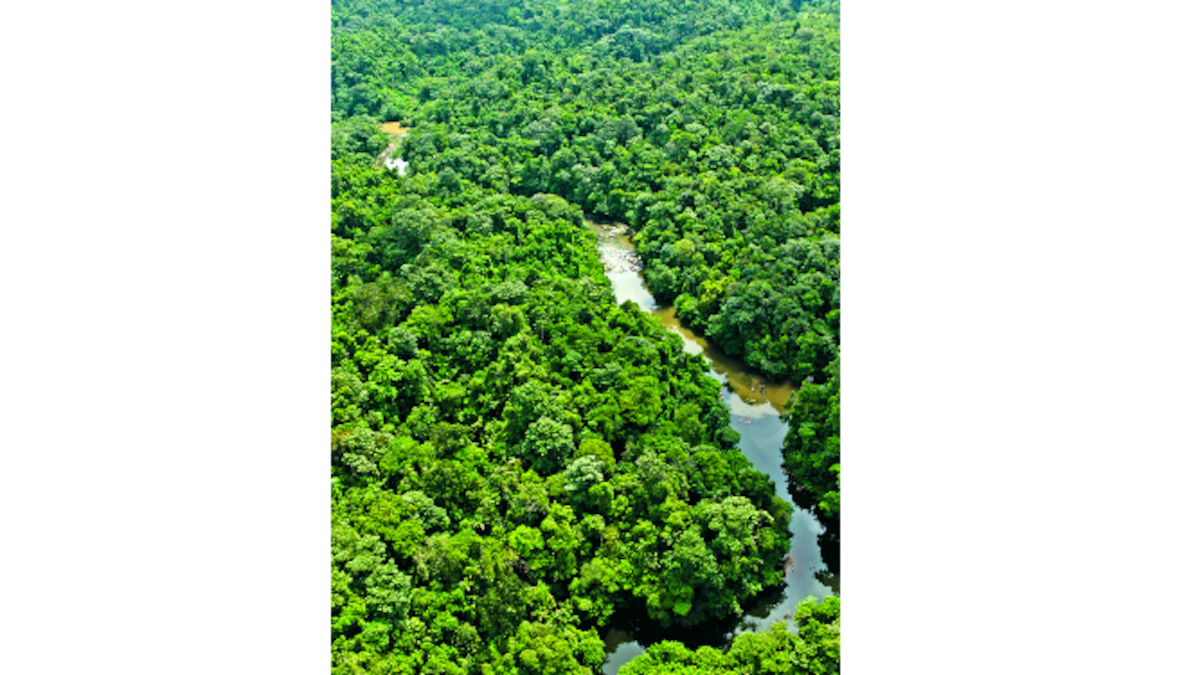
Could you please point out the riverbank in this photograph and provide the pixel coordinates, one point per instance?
(624, 267)
(755, 407)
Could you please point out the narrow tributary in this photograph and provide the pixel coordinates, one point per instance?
(397, 132)
(755, 406)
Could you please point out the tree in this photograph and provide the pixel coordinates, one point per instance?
(584, 472)
(547, 445)
(550, 649)
(812, 448)
(812, 650)
(641, 401)
(598, 448)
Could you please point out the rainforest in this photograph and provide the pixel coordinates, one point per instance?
(540, 465)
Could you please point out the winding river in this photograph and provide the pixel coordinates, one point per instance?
(755, 406)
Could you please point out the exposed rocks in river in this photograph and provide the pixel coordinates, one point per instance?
(616, 260)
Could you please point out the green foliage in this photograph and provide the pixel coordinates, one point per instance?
(583, 473)
(812, 448)
(813, 649)
(547, 445)
(598, 448)
(516, 458)
(369, 592)
(540, 648)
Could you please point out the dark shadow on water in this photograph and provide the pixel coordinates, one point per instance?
(829, 542)
(644, 630)
(633, 625)
(764, 603)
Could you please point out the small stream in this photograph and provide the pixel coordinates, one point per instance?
(755, 406)
(397, 132)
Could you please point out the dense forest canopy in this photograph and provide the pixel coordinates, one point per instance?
(516, 458)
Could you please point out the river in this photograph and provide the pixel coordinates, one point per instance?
(397, 132)
(755, 406)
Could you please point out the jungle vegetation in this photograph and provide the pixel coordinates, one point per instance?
(515, 457)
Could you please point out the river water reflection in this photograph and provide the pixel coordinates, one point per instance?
(755, 406)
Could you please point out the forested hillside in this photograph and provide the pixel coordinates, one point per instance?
(515, 457)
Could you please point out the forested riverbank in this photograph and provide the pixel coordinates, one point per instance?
(517, 459)
(810, 568)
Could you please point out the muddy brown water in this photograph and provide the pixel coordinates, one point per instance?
(623, 268)
(395, 129)
(754, 406)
